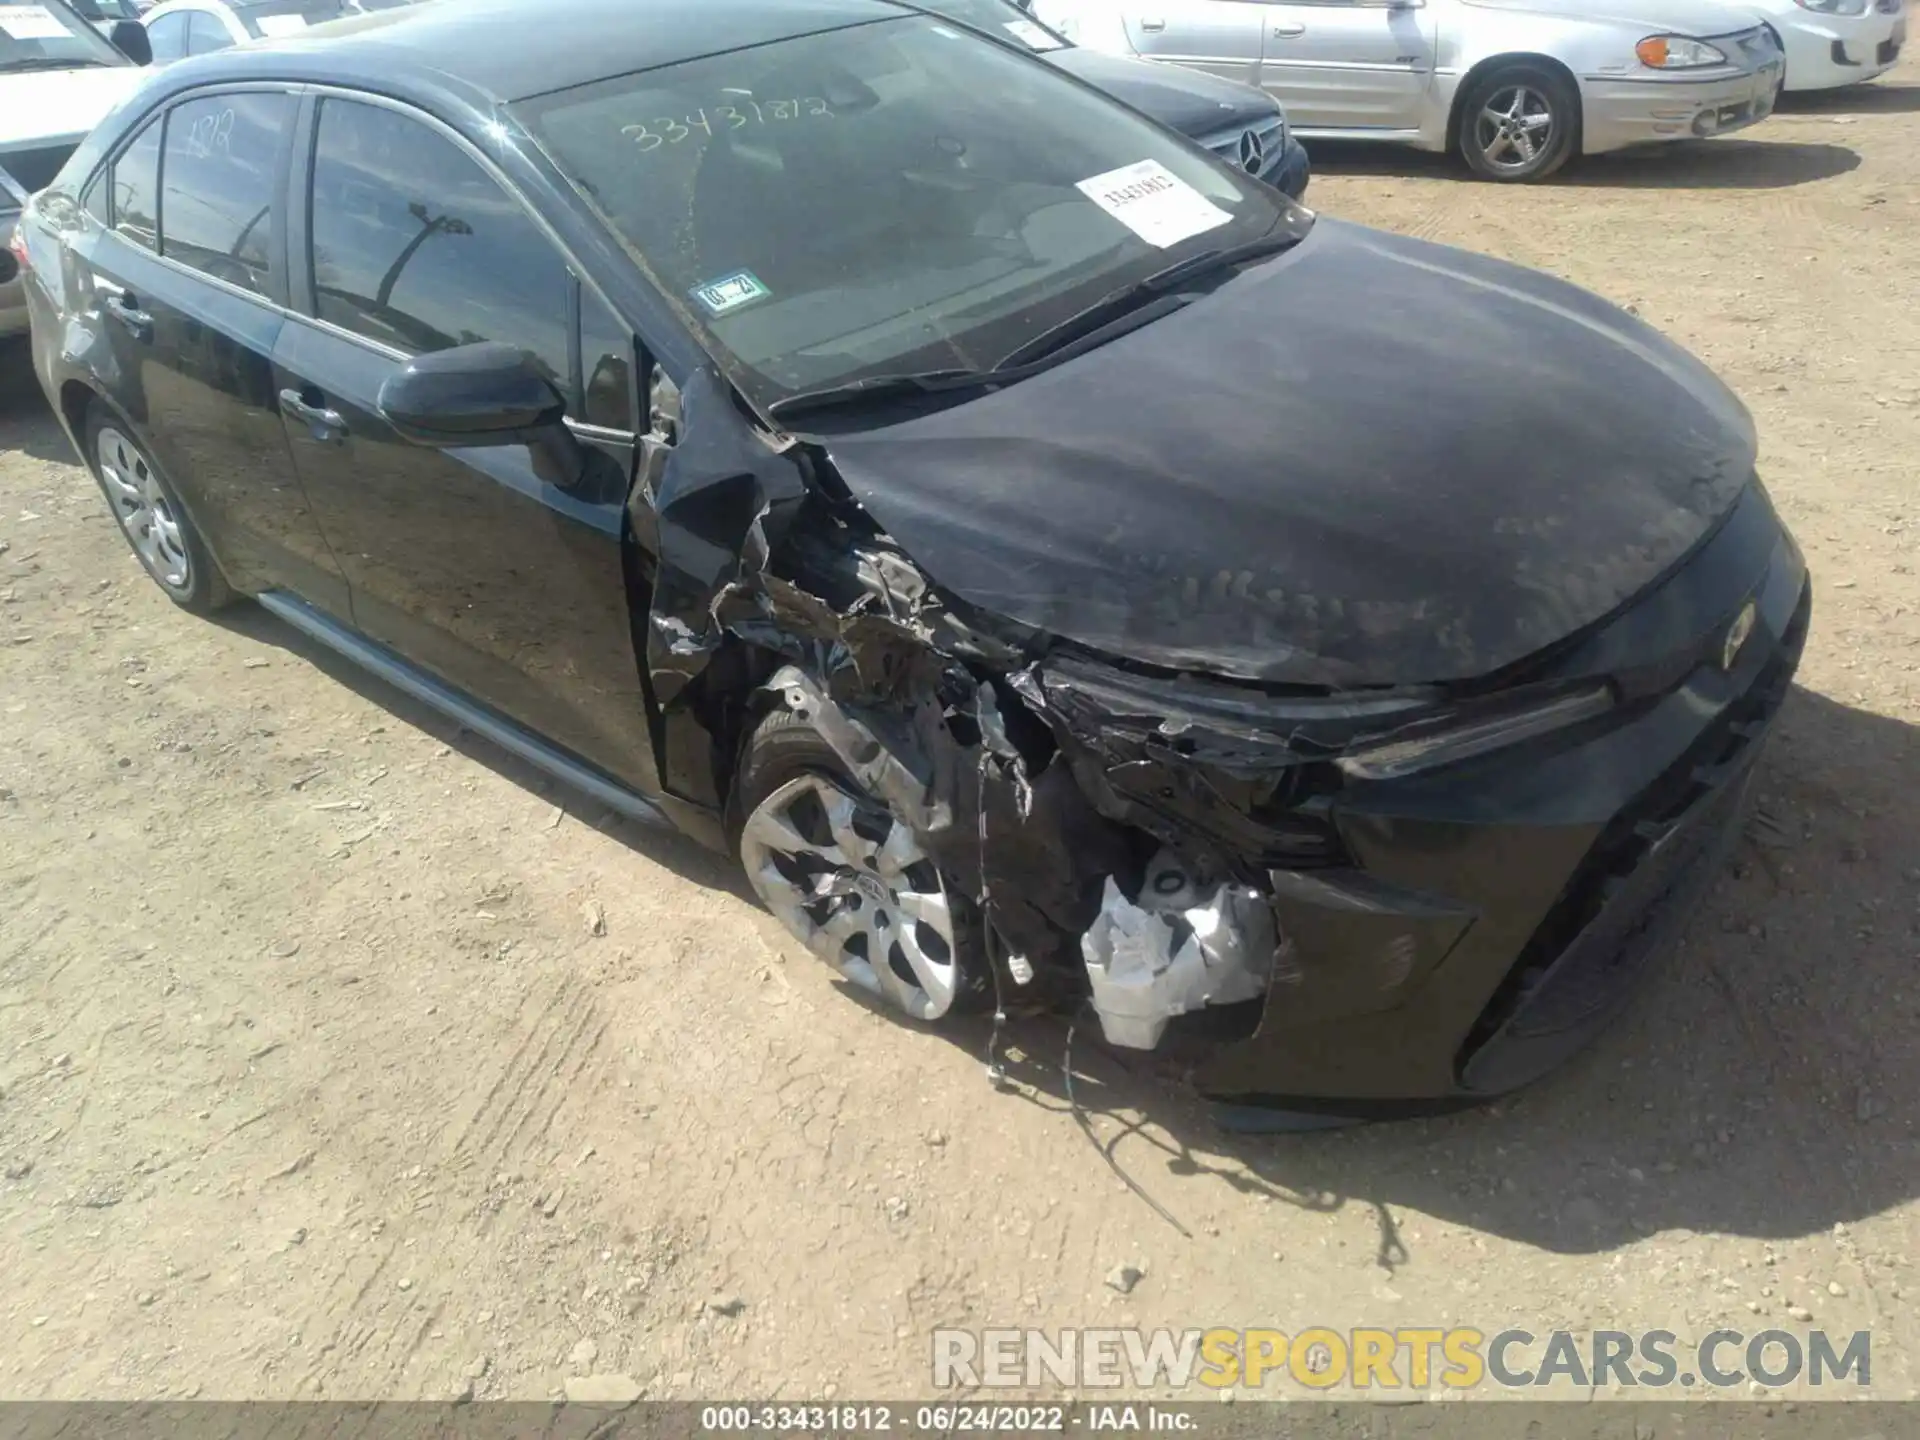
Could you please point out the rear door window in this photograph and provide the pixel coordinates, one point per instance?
(135, 183)
(222, 156)
(414, 245)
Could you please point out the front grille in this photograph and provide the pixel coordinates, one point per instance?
(1271, 134)
(1578, 967)
(1755, 44)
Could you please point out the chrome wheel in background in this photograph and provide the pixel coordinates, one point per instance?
(1514, 128)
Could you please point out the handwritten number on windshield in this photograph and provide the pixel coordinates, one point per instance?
(665, 130)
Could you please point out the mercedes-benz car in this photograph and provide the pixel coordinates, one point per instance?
(1242, 125)
(1063, 570)
(1516, 87)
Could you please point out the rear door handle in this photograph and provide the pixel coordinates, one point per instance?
(127, 311)
(325, 424)
(1153, 26)
(1288, 30)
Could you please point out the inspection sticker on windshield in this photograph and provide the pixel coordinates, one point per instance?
(1157, 205)
(31, 22)
(730, 292)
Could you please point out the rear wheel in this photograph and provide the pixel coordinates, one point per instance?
(1519, 122)
(151, 517)
(851, 880)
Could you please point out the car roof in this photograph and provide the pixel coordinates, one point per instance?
(516, 48)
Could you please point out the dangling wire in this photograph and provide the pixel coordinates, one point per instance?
(996, 1072)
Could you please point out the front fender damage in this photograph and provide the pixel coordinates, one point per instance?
(1106, 870)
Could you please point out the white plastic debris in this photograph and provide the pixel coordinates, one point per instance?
(1175, 951)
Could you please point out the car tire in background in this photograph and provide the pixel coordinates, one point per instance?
(850, 880)
(1519, 122)
(151, 517)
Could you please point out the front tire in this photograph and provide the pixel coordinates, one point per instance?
(1519, 123)
(850, 880)
(152, 518)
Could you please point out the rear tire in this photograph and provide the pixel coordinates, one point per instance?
(850, 880)
(151, 517)
(1519, 123)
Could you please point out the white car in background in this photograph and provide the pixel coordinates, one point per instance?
(179, 28)
(1831, 43)
(1518, 87)
(58, 79)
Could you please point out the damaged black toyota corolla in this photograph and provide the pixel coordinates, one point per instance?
(1066, 571)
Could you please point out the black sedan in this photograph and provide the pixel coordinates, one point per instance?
(1066, 572)
(1243, 125)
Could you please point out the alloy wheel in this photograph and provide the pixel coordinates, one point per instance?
(143, 510)
(855, 885)
(1514, 128)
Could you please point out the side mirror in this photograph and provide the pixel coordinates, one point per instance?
(483, 394)
(129, 37)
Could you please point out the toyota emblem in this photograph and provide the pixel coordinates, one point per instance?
(1252, 155)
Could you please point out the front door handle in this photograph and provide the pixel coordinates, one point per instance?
(1154, 25)
(1288, 30)
(325, 424)
(127, 311)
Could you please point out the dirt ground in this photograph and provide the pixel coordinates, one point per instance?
(315, 1079)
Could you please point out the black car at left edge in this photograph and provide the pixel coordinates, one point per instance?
(1065, 572)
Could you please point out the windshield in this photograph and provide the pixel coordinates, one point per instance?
(899, 195)
(289, 17)
(1001, 19)
(50, 36)
(106, 10)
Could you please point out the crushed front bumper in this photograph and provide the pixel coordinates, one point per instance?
(1618, 113)
(1496, 915)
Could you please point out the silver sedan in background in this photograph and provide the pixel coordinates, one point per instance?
(1518, 87)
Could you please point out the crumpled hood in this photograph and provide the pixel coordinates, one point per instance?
(1371, 460)
(1194, 103)
(1660, 17)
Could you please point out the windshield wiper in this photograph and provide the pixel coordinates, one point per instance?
(1095, 324)
(47, 62)
(1108, 318)
(880, 387)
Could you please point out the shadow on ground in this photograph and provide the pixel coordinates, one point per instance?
(660, 843)
(26, 424)
(1767, 1084)
(1873, 98)
(1727, 164)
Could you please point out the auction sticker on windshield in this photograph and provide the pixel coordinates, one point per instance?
(1153, 202)
(730, 292)
(271, 25)
(30, 22)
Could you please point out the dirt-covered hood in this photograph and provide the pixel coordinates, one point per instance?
(1370, 460)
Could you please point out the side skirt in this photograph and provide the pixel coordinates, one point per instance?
(510, 736)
